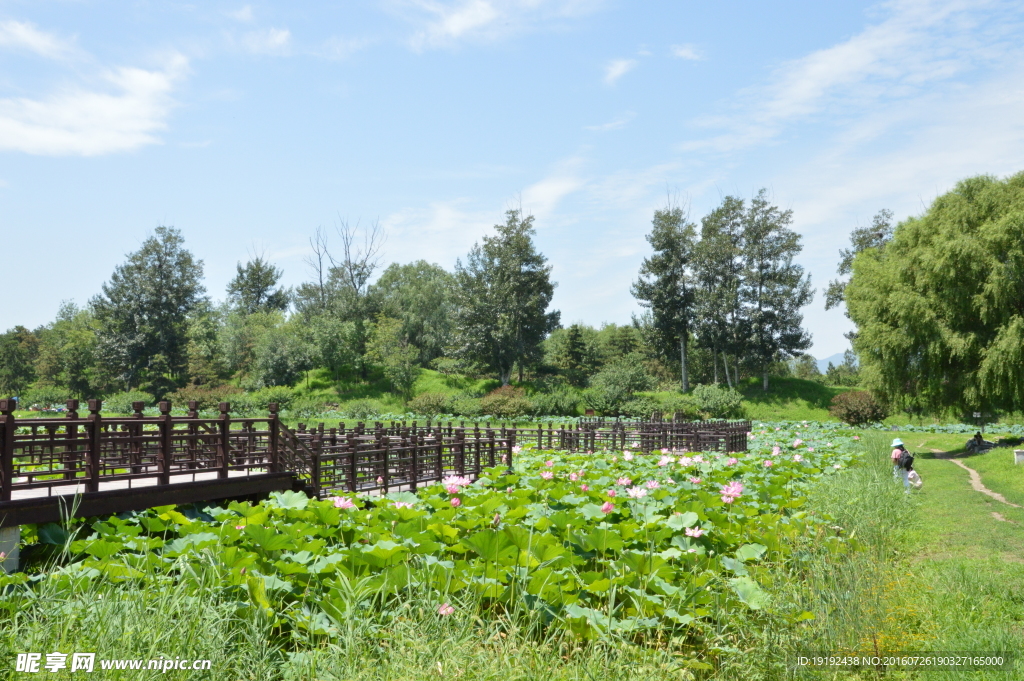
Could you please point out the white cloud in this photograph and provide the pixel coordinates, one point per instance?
(123, 116)
(617, 68)
(444, 23)
(687, 52)
(440, 233)
(25, 36)
(267, 41)
(341, 48)
(541, 199)
(244, 14)
(619, 122)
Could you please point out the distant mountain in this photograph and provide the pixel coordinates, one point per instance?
(836, 360)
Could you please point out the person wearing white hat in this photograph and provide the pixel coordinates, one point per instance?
(899, 470)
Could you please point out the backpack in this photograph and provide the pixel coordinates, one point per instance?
(906, 461)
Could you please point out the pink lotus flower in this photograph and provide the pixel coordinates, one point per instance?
(698, 458)
(508, 490)
(625, 482)
(237, 527)
(497, 520)
(778, 429)
(694, 481)
(573, 477)
(731, 491)
(694, 532)
(628, 456)
(685, 461)
(749, 434)
(343, 502)
(810, 449)
(636, 492)
(585, 488)
(516, 449)
(856, 437)
(836, 466)
(457, 480)
(797, 442)
(504, 458)
(607, 507)
(828, 444)
(653, 484)
(665, 460)
(798, 458)
(615, 459)
(549, 463)
(380, 479)
(453, 489)
(456, 502)
(776, 450)
(612, 493)
(768, 463)
(403, 504)
(547, 475)
(732, 461)
(445, 610)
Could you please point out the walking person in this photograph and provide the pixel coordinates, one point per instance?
(901, 463)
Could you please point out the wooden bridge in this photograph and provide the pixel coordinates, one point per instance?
(86, 464)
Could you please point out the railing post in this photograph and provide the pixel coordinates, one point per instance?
(7, 407)
(275, 433)
(71, 437)
(135, 446)
(95, 456)
(224, 449)
(317, 448)
(165, 455)
(353, 449)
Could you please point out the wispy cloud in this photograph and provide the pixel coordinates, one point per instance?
(687, 52)
(439, 233)
(340, 48)
(617, 68)
(619, 122)
(542, 198)
(125, 114)
(919, 43)
(444, 23)
(244, 14)
(273, 41)
(16, 35)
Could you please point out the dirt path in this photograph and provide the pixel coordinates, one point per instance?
(978, 487)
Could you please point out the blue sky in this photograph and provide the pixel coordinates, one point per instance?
(247, 126)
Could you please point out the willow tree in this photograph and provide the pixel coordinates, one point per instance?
(940, 310)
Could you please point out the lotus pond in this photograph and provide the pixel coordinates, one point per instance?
(647, 547)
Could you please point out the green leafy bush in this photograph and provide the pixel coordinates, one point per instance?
(718, 402)
(207, 396)
(641, 406)
(466, 405)
(306, 407)
(44, 397)
(121, 403)
(506, 402)
(614, 385)
(362, 409)
(680, 404)
(857, 408)
(560, 401)
(256, 403)
(430, 404)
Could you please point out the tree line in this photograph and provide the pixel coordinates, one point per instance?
(721, 301)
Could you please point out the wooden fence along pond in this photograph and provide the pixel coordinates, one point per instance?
(87, 464)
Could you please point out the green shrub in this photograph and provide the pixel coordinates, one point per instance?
(680, 404)
(466, 405)
(362, 409)
(207, 396)
(562, 401)
(717, 402)
(857, 408)
(430, 404)
(641, 406)
(612, 387)
(44, 397)
(121, 403)
(306, 407)
(506, 402)
(255, 403)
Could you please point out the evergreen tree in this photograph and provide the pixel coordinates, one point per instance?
(774, 287)
(721, 326)
(19, 348)
(503, 293)
(575, 352)
(253, 288)
(67, 352)
(143, 313)
(665, 284)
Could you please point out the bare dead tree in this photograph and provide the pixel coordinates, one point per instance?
(358, 263)
(319, 262)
